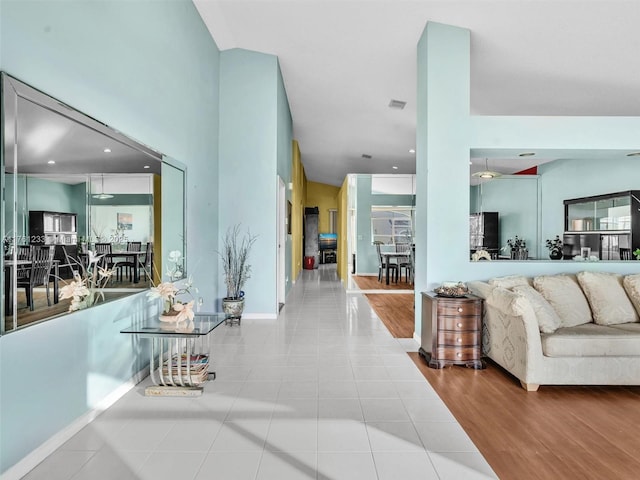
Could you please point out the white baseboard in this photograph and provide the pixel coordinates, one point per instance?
(28, 463)
(417, 338)
(260, 316)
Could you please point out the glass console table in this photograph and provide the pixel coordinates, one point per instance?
(178, 353)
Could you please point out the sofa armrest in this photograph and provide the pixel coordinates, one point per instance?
(511, 335)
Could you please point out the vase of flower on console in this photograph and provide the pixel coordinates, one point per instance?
(174, 311)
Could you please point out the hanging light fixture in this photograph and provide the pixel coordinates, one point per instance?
(102, 195)
(486, 173)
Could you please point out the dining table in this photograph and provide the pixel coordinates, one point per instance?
(121, 254)
(387, 256)
(9, 266)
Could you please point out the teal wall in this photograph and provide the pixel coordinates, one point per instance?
(445, 135)
(254, 126)
(366, 254)
(149, 69)
(49, 196)
(285, 161)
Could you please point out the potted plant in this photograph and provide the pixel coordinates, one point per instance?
(518, 248)
(235, 268)
(555, 248)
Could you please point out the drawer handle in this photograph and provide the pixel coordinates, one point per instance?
(459, 340)
(460, 309)
(459, 354)
(459, 324)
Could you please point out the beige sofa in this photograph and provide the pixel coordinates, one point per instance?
(581, 329)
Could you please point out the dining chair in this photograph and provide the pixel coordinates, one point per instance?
(107, 260)
(625, 254)
(383, 265)
(146, 261)
(23, 253)
(39, 272)
(404, 262)
(131, 262)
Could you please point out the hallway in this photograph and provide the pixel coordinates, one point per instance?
(323, 392)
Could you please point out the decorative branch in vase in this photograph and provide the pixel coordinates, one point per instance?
(518, 248)
(236, 268)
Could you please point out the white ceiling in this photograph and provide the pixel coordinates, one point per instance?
(343, 61)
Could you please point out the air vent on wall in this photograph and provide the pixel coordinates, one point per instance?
(366, 155)
(399, 104)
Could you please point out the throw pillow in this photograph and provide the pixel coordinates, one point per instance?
(509, 281)
(565, 296)
(507, 302)
(548, 319)
(609, 302)
(631, 285)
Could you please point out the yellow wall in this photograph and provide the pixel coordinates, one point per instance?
(325, 197)
(343, 218)
(298, 195)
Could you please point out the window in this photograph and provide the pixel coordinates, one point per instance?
(392, 225)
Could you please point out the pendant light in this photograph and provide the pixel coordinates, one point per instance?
(486, 173)
(102, 195)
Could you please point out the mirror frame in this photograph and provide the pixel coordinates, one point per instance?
(11, 91)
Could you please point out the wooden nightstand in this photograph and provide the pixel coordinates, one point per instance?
(451, 331)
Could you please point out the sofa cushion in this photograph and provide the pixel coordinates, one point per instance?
(548, 319)
(609, 303)
(509, 281)
(628, 327)
(508, 302)
(631, 285)
(566, 297)
(590, 340)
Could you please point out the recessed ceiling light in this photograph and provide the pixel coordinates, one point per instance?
(526, 154)
(412, 150)
(107, 150)
(146, 166)
(399, 104)
(633, 154)
(367, 156)
(51, 162)
(394, 167)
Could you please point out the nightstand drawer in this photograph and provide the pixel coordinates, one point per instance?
(458, 353)
(458, 324)
(462, 339)
(459, 308)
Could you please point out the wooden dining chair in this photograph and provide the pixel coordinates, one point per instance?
(23, 253)
(146, 262)
(107, 260)
(404, 262)
(625, 254)
(130, 263)
(383, 265)
(39, 272)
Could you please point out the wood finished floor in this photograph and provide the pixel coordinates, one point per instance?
(366, 282)
(556, 433)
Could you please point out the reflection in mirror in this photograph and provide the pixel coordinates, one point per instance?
(174, 224)
(503, 208)
(583, 197)
(70, 184)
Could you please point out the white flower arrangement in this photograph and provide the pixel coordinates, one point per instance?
(168, 291)
(88, 283)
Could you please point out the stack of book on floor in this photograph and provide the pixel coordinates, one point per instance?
(177, 368)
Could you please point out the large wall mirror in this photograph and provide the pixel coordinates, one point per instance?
(73, 190)
(586, 198)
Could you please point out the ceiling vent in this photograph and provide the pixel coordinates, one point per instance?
(367, 156)
(399, 104)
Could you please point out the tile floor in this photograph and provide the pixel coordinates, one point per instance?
(323, 392)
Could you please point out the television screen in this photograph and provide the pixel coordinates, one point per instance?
(328, 241)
